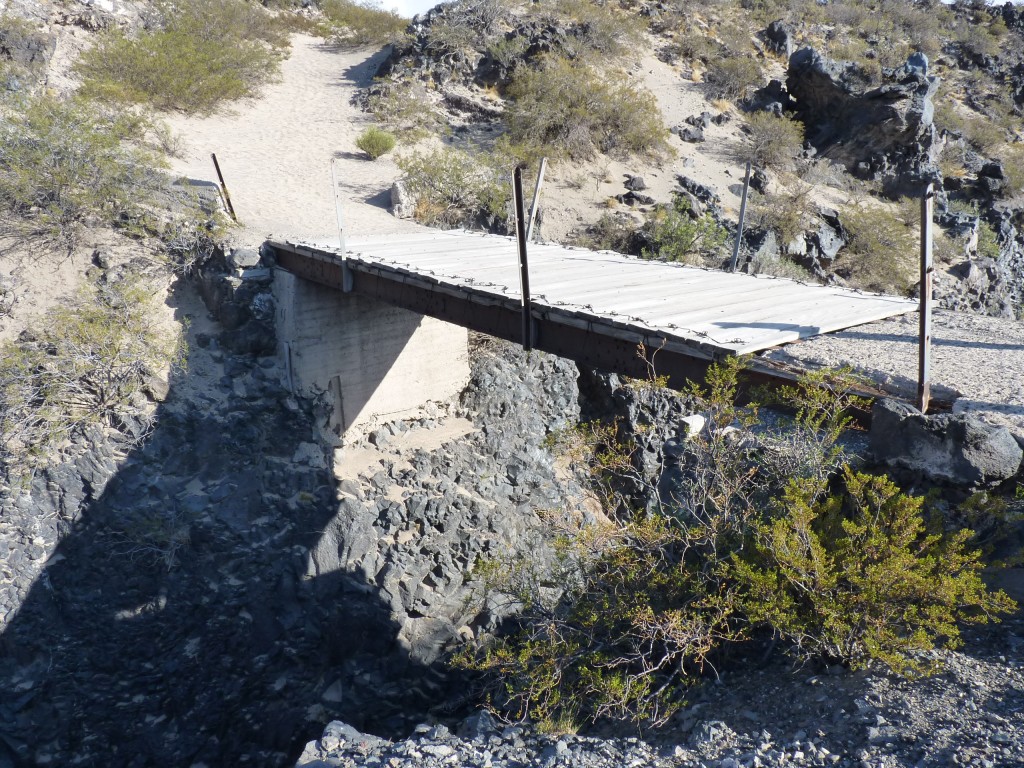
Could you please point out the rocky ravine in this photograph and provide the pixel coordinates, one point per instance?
(214, 597)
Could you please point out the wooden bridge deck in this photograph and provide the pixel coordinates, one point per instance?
(578, 295)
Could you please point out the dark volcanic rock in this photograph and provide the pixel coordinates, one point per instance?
(958, 449)
(882, 132)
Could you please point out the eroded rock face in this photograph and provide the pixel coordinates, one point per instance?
(955, 449)
(883, 132)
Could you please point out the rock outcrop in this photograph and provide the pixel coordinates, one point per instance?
(880, 132)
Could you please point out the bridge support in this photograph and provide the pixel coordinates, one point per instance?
(374, 361)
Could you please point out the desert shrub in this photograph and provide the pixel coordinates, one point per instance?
(772, 141)
(675, 234)
(404, 109)
(988, 242)
(360, 24)
(203, 53)
(452, 188)
(981, 36)
(629, 612)
(64, 161)
(1012, 157)
(84, 365)
(612, 232)
(597, 28)
(449, 37)
(691, 44)
(508, 51)
(732, 77)
(192, 230)
(854, 577)
(785, 212)
(778, 265)
(375, 142)
(572, 109)
(883, 246)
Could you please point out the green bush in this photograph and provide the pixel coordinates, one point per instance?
(375, 142)
(772, 141)
(629, 612)
(675, 234)
(597, 29)
(785, 213)
(572, 109)
(854, 577)
(64, 161)
(85, 364)
(362, 24)
(204, 53)
(404, 109)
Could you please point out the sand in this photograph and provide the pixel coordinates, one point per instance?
(276, 150)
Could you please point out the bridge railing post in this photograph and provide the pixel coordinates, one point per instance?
(927, 270)
(524, 268)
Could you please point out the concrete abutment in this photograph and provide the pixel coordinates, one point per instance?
(375, 362)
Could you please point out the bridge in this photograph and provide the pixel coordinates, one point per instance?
(391, 313)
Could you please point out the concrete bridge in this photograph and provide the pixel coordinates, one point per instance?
(383, 326)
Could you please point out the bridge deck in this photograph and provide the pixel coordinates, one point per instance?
(701, 313)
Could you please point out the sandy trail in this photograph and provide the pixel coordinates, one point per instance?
(276, 150)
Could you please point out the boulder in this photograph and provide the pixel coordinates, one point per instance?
(954, 449)
(635, 183)
(778, 36)
(702, 192)
(691, 134)
(403, 204)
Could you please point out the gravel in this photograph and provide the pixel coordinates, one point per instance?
(978, 356)
(773, 714)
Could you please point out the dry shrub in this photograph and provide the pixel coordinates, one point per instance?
(572, 109)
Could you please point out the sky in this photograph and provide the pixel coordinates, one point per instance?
(409, 8)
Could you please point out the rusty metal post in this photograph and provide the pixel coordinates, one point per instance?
(925, 339)
(524, 270)
(536, 198)
(739, 227)
(224, 188)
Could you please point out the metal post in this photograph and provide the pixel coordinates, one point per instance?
(346, 273)
(524, 270)
(536, 198)
(925, 340)
(224, 189)
(739, 228)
